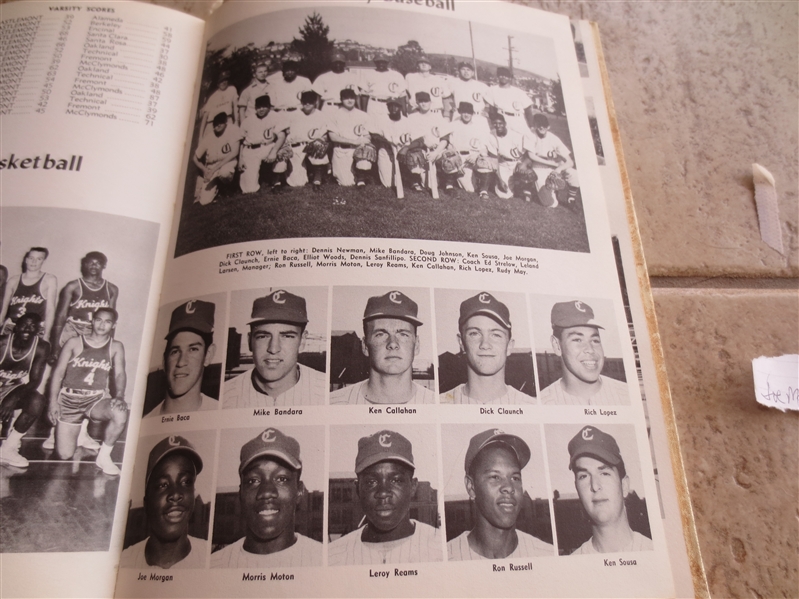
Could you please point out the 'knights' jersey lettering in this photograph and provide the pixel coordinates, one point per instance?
(89, 370)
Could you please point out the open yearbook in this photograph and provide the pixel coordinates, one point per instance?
(325, 299)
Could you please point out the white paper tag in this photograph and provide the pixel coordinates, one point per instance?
(777, 381)
(768, 209)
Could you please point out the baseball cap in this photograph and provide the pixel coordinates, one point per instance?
(380, 57)
(423, 58)
(503, 72)
(393, 304)
(271, 443)
(279, 306)
(487, 304)
(337, 57)
(495, 435)
(224, 76)
(466, 107)
(196, 315)
(422, 97)
(172, 444)
(593, 442)
(573, 314)
(309, 97)
(220, 118)
(383, 445)
(290, 63)
(347, 93)
(464, 64)
(540, 120)
(263, 102)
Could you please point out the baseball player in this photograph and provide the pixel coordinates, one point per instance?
(385, 487)
(468, 138)
(224, 99)
(286, 86)
(552, 163)
(426, 128)
(216, 157)
(189, 349)
(576, 339)
(381, 85)
(468, 89)
(264, 133)
(80, 298)
(23, 357)
(79, 388)
(602, 484)
(329, 84)
(33, 291)
(486, 339)
(390, 131)
(510, 101)
(277, 333)
(270, 490)
(425, 81)
(353, 152)
(493, 466)
(391, 343)
(309, 143)
(172, 469)
(507, 148)
(259, 87)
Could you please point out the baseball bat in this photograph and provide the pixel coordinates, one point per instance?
(432, 178)
(397, 174)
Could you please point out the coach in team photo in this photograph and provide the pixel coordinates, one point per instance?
(278, 333)
(391, 344)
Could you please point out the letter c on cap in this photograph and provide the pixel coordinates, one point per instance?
(384, 440)
(578, 305)
(484, 298)
(587, 433)
(268, 436)
(498, 432)
(173, 441)
(393, 297)
(190, 307)
(277, 297)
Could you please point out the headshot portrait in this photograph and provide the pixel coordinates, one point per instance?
(578, 352)
(170, 502)
(383, 496)
(277, 348)
(269, 498)
(381, 349)
(484, 354)
(597, 489)
(186, 362)
(495, 492)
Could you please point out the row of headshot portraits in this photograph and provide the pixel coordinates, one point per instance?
(491, 348)
(264, 506)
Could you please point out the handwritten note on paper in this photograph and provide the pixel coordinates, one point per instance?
(777, 381)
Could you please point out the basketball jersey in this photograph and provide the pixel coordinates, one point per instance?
(15, 371)
(90, 369)
(27, 299)
(82, 309)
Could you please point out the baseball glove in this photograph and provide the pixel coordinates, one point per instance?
(524, 175)
(555, 181)
(285, 153)
(483, 164)
(450, 162)
(364, 156)
(317, 149)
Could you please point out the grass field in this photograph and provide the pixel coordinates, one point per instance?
(376, 212)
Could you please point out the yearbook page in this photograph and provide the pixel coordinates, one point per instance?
(392, 355)
(94, 109)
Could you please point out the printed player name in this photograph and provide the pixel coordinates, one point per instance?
(505, 411)
(392, 410)
(512, 567)
(592, 412)
(388, 573)
(248, 577)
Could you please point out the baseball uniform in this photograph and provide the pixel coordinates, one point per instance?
(638, 543)
(133, 556)
(355, 395)
(430, 126)
(208, 403)
(220, 101)
(551, 148)
(354, 126)
(329, 85)
(435, 85)
(458, 549)
(511, 102)
(305, 552)
(254, 90)
(397, 133)
(285, 95)
(507, 151)
(471, 91)
(217, 151)
(259, 139)
(240, 391)
(609, 392)
(512, 397)
(424, 545)
(470, 140)
(304, 128)
(381, 87)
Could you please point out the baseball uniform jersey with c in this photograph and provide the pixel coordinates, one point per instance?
(353, 125)
(380, 87)
(254, 90)
(609, 392)
(424, 545)
(304, 128)
(511, 101)
(286, 94)
(458, 549)
(309, 390)
(329, 85)
(435, 85)
(471, 91)
(305, 552)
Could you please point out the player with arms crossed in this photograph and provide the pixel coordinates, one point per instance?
(578, 343)
(390, 341)
(79, 388)
(270, 491)
(385, 487)
(31, 291)
(493, 466)
(277, 333)
(172, 469)
(486, 339)
(602, 484)
(23, 357)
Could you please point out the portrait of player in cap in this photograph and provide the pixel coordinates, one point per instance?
(390, 343)
(610, 515)
(386, 485)
(577, 337)
(270, 493)
(479, 364)
(170, 496)
(277, 335)
(493, 465)
(188, 352)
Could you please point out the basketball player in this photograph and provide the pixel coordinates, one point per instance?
(32, 291)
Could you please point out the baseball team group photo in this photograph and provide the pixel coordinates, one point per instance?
(346, 122)
(72, 312)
